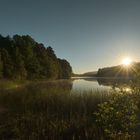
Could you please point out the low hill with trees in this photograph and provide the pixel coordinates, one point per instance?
(120, 71)
(21, 57)
(90, 74)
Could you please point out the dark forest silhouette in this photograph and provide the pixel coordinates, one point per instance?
(120, 71)
(21, 57)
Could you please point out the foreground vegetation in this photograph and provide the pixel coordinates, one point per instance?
(50, 111)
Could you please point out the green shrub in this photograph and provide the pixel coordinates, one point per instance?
(117, 117)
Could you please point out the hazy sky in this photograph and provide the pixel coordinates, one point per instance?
(88, 33)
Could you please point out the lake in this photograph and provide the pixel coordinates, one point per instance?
(74, 84)
(100, 84)
(86, 84)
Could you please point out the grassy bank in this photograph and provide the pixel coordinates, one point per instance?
(48, 110)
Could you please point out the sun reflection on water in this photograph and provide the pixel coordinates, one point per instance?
(126, 89)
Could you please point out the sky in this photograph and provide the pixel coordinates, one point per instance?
(90, 34)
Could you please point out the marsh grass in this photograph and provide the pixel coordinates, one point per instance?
(50, 111)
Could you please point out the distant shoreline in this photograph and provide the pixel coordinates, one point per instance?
(94, 77)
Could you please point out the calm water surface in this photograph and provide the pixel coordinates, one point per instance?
(80, 84)
(100, 84)
(84, 85)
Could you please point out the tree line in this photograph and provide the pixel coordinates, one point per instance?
(21, 57)
(131, 71)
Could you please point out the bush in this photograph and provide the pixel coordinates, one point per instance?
(117, 117)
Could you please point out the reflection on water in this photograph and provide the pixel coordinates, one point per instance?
(127, 89)
(121, 84)
(114, 81)
(100, 84)
(81, 84)
(84, 85)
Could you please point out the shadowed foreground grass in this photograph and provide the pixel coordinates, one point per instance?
(50, 111)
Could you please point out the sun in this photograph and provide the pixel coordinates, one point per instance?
(126, 61)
